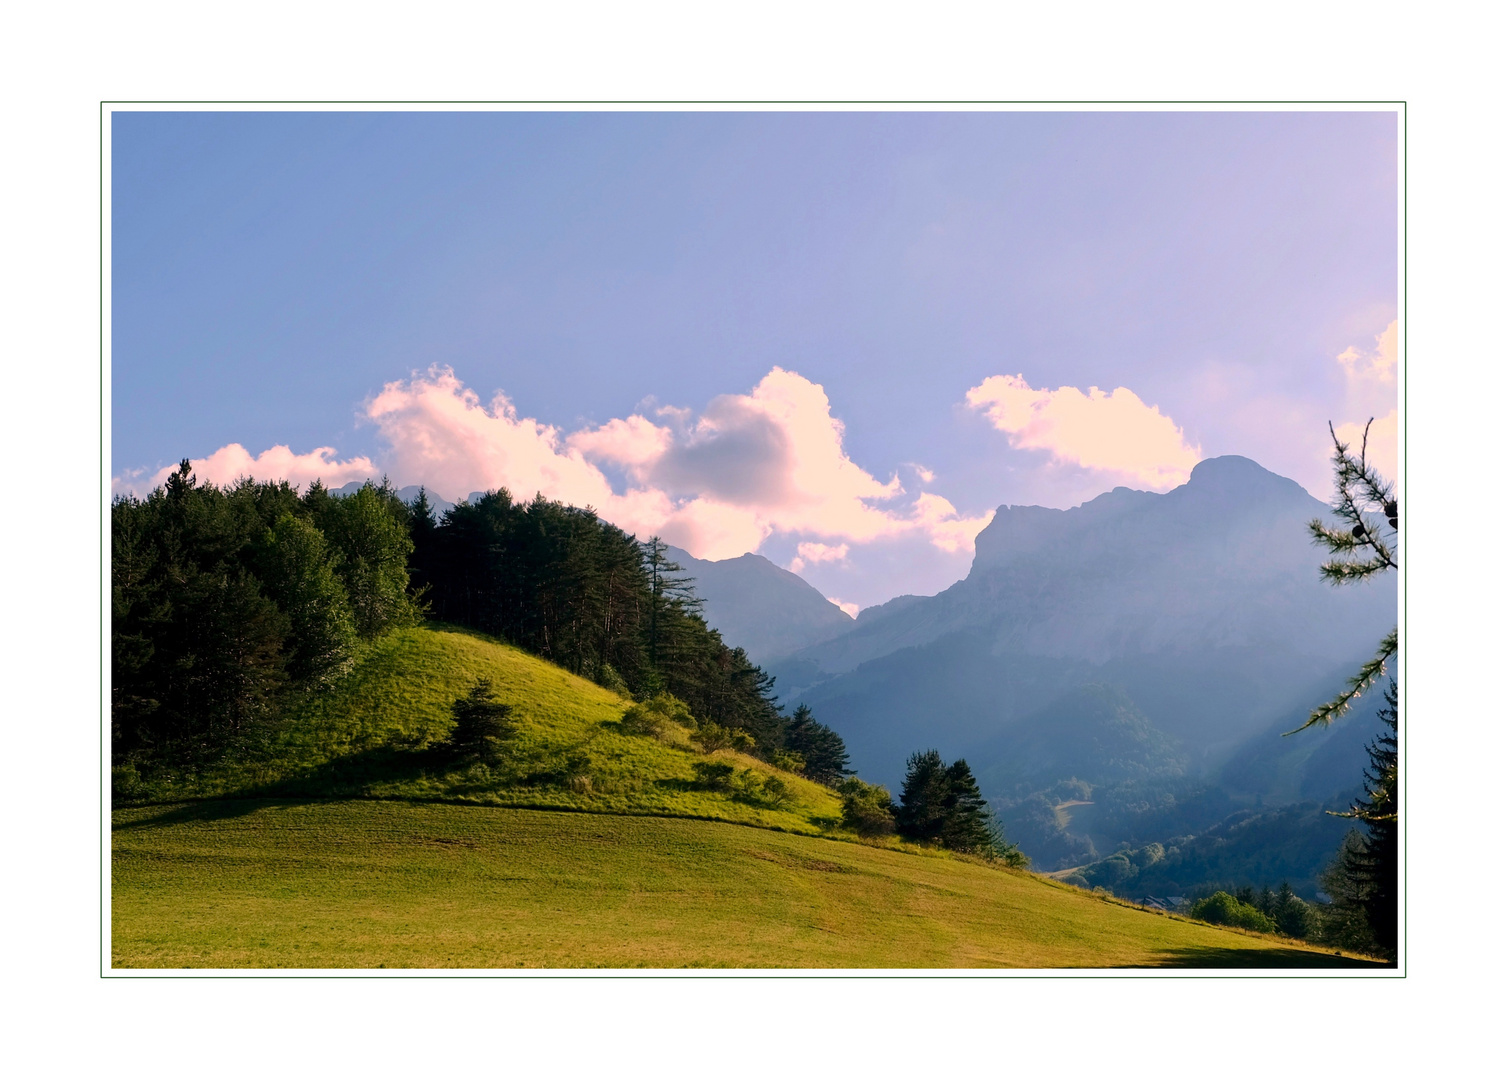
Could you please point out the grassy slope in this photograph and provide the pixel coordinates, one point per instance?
(369, 884)
(297, 881)
(367, 738)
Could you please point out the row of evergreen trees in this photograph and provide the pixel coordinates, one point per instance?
(227, 601)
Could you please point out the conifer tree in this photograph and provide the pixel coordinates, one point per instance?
(821, 748)
(1361, 549)
(482, 722)
(1364, 879)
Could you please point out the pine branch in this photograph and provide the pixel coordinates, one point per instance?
(1353, 506)
(1357, 685)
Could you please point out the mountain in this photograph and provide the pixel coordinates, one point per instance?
(1152, 646)
(754, 604)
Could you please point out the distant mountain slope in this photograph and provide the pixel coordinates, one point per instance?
(1223, 561)
(754, 604)
(1201, 611)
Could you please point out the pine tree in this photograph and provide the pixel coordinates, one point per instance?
(943, 804)
(821, 748)
(1363, 881)
(482, 723)
(1361, 549)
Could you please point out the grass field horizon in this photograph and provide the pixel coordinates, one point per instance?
(373, 884)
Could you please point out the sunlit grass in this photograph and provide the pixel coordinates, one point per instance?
(370, 884)
(377, 734)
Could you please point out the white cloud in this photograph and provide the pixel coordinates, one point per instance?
(809, 553)
(851, 610)
(1377, 368)
(718, 483)
(233, 461)
(1115, 432)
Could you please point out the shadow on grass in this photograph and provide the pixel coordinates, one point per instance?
(346, 777)
(1208, 956)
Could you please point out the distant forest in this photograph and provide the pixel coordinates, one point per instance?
(225, 603)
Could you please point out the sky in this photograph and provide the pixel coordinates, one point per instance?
(840, 340)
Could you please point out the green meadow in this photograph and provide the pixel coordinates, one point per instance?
(363, 884)
(377, 734)
(353, 839)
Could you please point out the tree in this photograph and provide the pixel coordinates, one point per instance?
(299, 574)
(1363, 881)
(1361, 550)
(482, 723)
(824, 756)
(943, 804)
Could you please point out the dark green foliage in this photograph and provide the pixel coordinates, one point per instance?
(824, 756)
(483, 723)
(1363, 881)
(559, 582)
(659, 717)
(1291, 915)
(714, 775)
(1344, 919)
(369, 532)
(1223, 909)
(942, 804)
(226, 600)
(299, 575)
(868, 808)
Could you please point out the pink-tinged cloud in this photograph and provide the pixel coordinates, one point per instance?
(851, 610)
(442, 435)
(717, 484)
(809, 553)
(1376, 368)
(1116, 432)
(232, 462)
(1373, 391)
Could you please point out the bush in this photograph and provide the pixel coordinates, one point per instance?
(609, 679)
(661, 717)
(1223, 909)
(785, 759)
(714, 775)
(711, 736)
(868, 809)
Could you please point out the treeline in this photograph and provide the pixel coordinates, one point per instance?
(226, 601)
(564, 584)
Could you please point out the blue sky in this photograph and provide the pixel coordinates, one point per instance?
(664, 294)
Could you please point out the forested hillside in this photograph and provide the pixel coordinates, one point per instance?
(232, 608)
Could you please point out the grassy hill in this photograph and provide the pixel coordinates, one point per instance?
(261, 883)
(376, 734)
(353, 839)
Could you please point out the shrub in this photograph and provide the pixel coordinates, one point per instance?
(785, 759)
(662, 717)
(868, 809)
(714, 775)
(711, 736)
(774, 791)
(1223, 909)
(609, 678)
